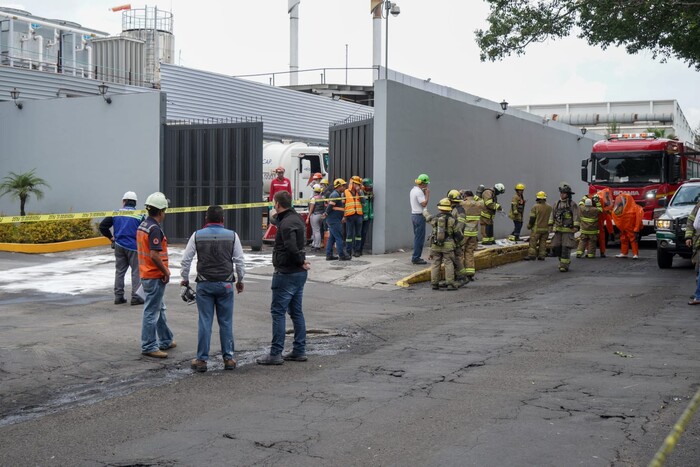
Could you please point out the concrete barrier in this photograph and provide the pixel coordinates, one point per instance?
(34, 248)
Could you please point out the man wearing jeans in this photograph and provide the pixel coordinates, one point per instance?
(218, 250)
(419, 197)
(153, 267)
(288, 281)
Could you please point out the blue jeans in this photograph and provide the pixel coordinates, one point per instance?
(365, 233)
(155, 333)
(418, 235)
(353, 233)
(215, 297)
(287, 292)
(335, 235)
(697, 288)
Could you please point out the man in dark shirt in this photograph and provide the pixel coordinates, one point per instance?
(291, 270)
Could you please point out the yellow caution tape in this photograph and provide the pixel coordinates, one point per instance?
(672, 438)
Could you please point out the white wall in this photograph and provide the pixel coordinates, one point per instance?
(89, 152)
(457, 140)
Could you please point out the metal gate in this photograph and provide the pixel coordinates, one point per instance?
(213, 162)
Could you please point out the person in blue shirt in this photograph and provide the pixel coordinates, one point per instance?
(121, 230)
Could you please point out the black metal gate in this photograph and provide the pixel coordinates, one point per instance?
(213, 162)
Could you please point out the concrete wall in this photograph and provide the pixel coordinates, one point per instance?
(90, 152)
(457, 140)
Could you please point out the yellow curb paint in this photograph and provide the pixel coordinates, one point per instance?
(34, 248)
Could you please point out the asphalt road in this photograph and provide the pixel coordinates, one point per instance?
(526, 366)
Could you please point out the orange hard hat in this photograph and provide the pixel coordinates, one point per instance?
(279, 169)
(317, 175)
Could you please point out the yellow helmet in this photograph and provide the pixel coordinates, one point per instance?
(324, 181)
(541, 195)
(338, 182)
(445, 205)
(454, 196)
(519, 186)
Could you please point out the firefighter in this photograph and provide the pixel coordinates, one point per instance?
(627, 215)
(590, 212)
(491, 206)
(472, 210)
(538, 224)
(517, 208)
(564, 221)
(442, 244)
(459, 215)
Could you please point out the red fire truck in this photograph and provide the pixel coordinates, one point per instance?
(648, 168)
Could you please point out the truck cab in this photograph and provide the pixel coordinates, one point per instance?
(300, 162)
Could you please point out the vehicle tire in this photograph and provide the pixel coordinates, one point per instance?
(664, 259)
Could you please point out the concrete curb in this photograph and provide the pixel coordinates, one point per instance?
(484, 259)
(34, 248)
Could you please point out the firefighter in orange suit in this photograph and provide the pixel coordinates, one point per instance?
(627, 215)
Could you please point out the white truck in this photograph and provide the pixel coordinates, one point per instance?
(300, 162)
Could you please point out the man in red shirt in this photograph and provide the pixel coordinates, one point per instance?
(281, 183)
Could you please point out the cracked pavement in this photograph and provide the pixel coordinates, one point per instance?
(525, 366)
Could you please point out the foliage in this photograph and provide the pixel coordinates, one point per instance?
(47, 232)
(613, 127)
(661, 133)
(666, 28)
(22, 186)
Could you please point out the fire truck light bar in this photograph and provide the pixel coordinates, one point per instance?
(632, 136)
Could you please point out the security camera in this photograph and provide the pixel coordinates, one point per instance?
(395, 10)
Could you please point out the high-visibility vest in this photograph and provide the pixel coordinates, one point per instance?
(147, 267)
(352, 203)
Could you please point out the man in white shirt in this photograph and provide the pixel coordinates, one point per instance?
(419, 197)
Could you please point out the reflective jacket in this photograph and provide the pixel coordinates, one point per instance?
(540, 214)
(517, 208)
(565, 216)
(490, 203)
(589, 219)
(472, 213)
(448, 245)
(353, 205)
(459, 214)
(150, 236)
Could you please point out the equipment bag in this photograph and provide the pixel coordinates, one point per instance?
(440, 229)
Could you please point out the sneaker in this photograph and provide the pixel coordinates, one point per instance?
(331, 258)
(294, 357)
(119, 301)
(345, 258)
(172, 345)
(136, 301)
(229, 364)
(420, 261)
(200, 366)
(155, 354)
(635, 257)
(270, 360)
(620, 256)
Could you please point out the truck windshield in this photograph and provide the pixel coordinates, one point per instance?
(686, 195)
(632, 168)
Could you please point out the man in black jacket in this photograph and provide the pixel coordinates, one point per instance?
(288, 281)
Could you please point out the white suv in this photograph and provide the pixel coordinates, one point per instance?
(670, 226)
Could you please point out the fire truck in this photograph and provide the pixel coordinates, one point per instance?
(648, 168)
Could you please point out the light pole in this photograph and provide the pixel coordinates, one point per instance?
(394, 9)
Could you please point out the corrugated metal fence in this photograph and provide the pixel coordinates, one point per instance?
(214, 163)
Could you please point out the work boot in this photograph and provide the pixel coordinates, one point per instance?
(451, 286)
(579, 254)
(136, 301)
(229, 364)
(435, 286)
(471, 278)
(529, 258)
(420, 261)
(119, 300)
(200, 366)
(270, 360)
(155, 354)
(358, 254)
(442, 284)
(563, 269)
(345, 258)
(172, 345)
(602, 255)
(331, 258)
(294, 357)
(540, 258)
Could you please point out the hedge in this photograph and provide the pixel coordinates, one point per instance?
(47, 232)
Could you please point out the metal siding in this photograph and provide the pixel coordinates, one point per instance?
(194, 94)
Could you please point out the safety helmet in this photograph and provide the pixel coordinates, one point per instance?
(454, 196)
(500, 188)
(324, 181)
(367, 182)
(445, 205)
(356, 179)
(422, 178)
(130, 195)
(595, 198)
(519, 186)
(279, 169)
(338, 182)
(541, 195)
(588, 202)
(318, 188)
(565, 188)
(188, 295)
(157, 200)
(317, 176)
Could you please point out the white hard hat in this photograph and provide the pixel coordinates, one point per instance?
(130, 195)
(500, 187)
(157, 200)
(588, 202)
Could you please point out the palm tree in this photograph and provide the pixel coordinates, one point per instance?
(22, 186)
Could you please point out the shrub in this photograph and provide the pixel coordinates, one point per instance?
(47, 232)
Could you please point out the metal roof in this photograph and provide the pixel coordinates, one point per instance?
(286, 114)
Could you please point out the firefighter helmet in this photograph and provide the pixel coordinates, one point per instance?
(519, 186)
(445, 205)
(500, 188)
(565, 188)
(454, 196)
(541, 195)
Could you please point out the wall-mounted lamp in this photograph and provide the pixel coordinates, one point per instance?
(14, 94)
(504, 106)
(583, 132)
(102, 89)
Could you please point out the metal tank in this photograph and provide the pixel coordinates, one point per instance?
(155, 28)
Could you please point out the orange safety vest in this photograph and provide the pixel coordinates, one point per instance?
(352, 203)
(147, 268)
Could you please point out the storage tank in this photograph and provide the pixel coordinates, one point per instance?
(155, 28)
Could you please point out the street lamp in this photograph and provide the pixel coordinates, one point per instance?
(102, 89)
(504, 107)
(583, 132)
(394, 9)
(14, 94)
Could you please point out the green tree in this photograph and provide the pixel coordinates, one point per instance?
(613, 128)
(666, 28)
(22, 186)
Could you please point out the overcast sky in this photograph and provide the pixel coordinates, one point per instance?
(429, 39)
